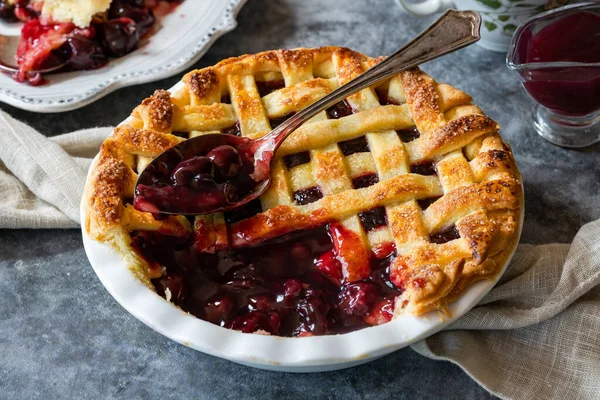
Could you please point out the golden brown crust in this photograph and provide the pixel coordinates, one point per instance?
(157, 111)
(477, 188)
(422, 98)
(204, 84)
(111, 179)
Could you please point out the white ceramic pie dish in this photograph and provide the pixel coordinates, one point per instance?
(307, 354)
(183, 37)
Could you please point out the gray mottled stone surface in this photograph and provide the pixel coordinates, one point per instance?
(63, 336)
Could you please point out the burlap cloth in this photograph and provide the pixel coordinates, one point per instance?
(536, 335)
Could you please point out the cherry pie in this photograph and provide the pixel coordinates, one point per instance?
(79, 34)
(391, 202)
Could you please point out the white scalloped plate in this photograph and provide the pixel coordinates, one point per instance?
(184, 36)
(307, 354)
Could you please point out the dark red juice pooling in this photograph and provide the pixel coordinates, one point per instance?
(570, 90)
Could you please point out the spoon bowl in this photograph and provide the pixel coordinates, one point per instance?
(154, 194)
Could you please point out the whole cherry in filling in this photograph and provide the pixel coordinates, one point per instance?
(227, 160)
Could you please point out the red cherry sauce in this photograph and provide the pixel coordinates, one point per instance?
(571, 90)
(292, 286)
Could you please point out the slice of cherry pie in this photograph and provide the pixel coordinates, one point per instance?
(391, 202)
(79, 34)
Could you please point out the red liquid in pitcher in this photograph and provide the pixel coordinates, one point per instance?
(572, 90)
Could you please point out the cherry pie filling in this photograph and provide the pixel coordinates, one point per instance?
(47, 44)
(254, 289)
(294, 285)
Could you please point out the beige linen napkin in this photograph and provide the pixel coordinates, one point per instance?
(42, 179)
(536, 335)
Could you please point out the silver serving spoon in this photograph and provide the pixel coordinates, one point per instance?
(452, 31)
